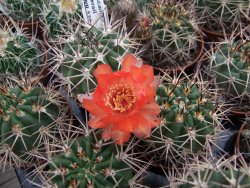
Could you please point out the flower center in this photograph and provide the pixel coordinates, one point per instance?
(120, 97)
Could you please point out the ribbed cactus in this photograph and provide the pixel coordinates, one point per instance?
(174, 34)
(17, 52)
(223, 16)
(190, 117)
(29, 115)
(213, 176)
(59, 16)
(85, 50)
(231, 65)
(24, 9)
(88, 163)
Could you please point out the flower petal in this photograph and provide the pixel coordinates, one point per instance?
(97, 122)
(102, 69)
(92, 107)
(142, 130)
(120, 137)
(128, 61)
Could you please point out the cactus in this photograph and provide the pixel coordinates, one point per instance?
(190, 117)
(59, 16)
(88, 163)
(18, 52)
(231, 64)
(214, 174)
(25, 10)
(29, 116)
(85, 50)
(223, 16)
(174, 38)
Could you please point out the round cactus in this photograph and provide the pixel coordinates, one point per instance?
(223, 16)
(28, 113)
(189, 118)
(85, 51)
(88, 163)
(231, 64)
(25, 9)
(18, 53)
(59, 16)
(175, 36)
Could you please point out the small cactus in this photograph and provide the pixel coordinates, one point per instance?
(59, 15)
(85, 50)
(24, 10)
(190, 118)
(28, 112)
(88, 163)
(224, 16)
(230, 63)
(175, 37)
(18, 52)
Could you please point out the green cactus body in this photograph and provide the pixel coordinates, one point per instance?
(81, 56)
(174, 38)
(24, 112)
(188, 117)
(212, 178)
(89, 164)
(17, 53)
(25, 9)
(223, 15)
(231, 65)
(60, 15)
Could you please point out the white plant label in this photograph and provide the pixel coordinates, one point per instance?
(95, 12)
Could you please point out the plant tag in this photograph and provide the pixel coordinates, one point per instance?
(95, 12)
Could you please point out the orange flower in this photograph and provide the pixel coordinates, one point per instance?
(123, 102)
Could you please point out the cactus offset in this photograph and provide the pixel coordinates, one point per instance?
(88, 163)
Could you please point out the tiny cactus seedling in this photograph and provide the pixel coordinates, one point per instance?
(85, 50)
(174, 37)
(59, 15)
(25, 10)
(29, 114)
(88, 163)
(231, 65)
(189, 116)
(17, 52)
(223, 16)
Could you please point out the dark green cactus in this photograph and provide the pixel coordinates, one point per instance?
(17, 53)
(80, 57)
(231, 65)
(174, 35)
(88, 163)
(27, 113)
(189, 117)
(223, 16)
